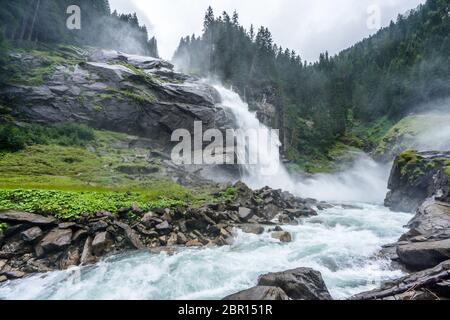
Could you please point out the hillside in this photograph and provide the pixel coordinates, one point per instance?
(366, 88)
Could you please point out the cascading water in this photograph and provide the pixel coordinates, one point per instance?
(265, 148)
(325, 243)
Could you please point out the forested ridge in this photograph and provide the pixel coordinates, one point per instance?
(381, 77)
(45, 21)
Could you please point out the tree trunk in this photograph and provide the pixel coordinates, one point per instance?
(36, 10)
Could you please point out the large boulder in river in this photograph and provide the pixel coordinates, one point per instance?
(416, 176)
(259, 293)
(423, 255)
(299, 284)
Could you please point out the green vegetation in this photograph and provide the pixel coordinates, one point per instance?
(227, 195)
(15, 138)
(49, 57)
(413, 166)
(358, 93)
(403, 134)
(3, 227)
(70, 205)
(141, 97)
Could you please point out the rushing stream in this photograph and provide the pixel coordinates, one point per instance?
(341, 243)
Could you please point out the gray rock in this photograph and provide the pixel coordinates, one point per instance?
(2, 264)
(283, 236)
(259, 293)
(245, 213)
(112, 72)
(131, 235)
(424, 255)
(164, 226)
(87, 254)
(56, 239)
(23, 217)
(101, 243)
(97, 226)
(299, 284)
(252, 228)
(31, 234)
(66, 225)
(71, 258)
(14, 274)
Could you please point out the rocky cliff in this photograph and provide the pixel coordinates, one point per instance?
(416, 176)
(110, 90)
(420, 181)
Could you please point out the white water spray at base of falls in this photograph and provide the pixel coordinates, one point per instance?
(267, 152)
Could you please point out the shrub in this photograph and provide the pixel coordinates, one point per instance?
(14, 138)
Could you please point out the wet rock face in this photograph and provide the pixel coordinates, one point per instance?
(416, 176)
(118, 92)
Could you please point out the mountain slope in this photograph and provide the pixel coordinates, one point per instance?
(381, 78)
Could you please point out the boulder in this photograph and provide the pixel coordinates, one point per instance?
(245, 213)
(97, 226)
(163, 227)
(70, 259)
(283, 236)
(424, 255)
(101, 243)
(181, 238)
(259, 293)
(23, 217)
(253, 228)
(194, 243)
(132, 236)
(31, 234)
(87, 254)
(299, 284)
(57, 239)
(14, 274)
(13, 248)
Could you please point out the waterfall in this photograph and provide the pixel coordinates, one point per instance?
(263, 146)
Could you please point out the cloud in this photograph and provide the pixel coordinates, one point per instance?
(308, 27)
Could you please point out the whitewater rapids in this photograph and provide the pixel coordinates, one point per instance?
(340, 243)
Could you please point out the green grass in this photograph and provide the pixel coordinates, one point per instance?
(70, 205)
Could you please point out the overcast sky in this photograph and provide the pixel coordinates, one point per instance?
(307, 26)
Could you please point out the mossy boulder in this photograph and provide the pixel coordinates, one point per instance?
(416, 176)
